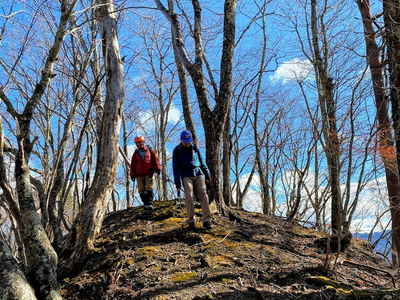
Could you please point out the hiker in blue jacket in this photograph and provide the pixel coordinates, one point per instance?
(190, 171)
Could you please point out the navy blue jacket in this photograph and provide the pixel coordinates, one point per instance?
(187, 162)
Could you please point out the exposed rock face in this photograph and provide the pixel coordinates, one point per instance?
(152, 255)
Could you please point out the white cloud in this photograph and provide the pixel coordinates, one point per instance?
(295, 69)
(146, 120)
(372, 202)
(174, 115)
(252, 199)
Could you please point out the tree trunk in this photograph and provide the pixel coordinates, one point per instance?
(263, 175)
(187, 111)
(213, 120)
(213, 159)
(265, 199)
(164, 176)
(13, 283)
(226, 157)
(127, 166)
(385, 138)
(53, 199)
(90, 217)
(328, 110)
(8, 194)
(40, 255)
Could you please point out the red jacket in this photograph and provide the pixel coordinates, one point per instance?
(146, 166)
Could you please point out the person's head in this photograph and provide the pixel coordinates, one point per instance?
(186, 138)
(139, 140)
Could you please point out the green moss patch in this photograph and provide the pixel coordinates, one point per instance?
(149, 250)
(183, 276)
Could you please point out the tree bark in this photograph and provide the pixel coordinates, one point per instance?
(8, 193)
(13, 283)
(226, 157)
(265, 197)
(187, 111)
(385, 138)
(90, 217)
(328, 110)
(127, 165)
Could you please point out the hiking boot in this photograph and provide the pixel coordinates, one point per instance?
(207, 225)
(147, 199)
(148, 207)
(143, 197)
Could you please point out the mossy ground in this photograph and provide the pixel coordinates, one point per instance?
(143, 255)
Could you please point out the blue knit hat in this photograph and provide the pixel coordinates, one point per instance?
(186, 136)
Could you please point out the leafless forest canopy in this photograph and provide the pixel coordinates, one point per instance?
(294, 104)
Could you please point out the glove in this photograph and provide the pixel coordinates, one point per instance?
(179, 193)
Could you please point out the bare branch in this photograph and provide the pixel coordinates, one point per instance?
(8, 103)
(176, 35)
(47, 72)
(12, 15)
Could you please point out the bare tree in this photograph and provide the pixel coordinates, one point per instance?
(385, 138)
(240, 118)
(13, 284)
(187, 111)
(325, 86)
(161, 89)
(90, 218)
(41, 257)
(213, 119)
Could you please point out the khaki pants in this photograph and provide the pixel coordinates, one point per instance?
(145, 183)
(196, 185)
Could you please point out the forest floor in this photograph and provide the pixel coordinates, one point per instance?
(143, 255)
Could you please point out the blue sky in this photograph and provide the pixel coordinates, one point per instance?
(280, 90)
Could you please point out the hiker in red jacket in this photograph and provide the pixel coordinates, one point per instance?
(144, 164)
